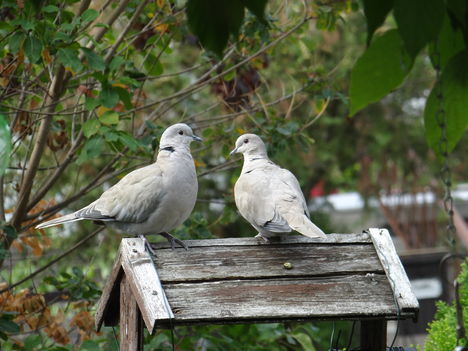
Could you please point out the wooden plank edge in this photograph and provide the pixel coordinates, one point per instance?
(362, 238)
(111, 287)
(134, 253)
(168, 324)
(395, 271)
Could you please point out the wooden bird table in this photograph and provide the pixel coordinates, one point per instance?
(241, 280)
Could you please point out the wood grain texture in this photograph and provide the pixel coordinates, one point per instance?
(394, 269)
(107, 310)
(243, 262)
(240, 280)
(285, 239)
(131, 328)
(374, 335)
(144, 281)
(339, 297)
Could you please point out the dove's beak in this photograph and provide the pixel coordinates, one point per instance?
(196, 138)
(233, 152)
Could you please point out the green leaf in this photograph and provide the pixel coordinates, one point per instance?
(5, 144)
(92, 148)
(116, 63)
(69, 58)
(454, 80)
(91, 103)
(16, 41)
(129, 141)
(91, 127)
(213, 21)
(50, 9)
(419, 22)
(382, 68)
(90, 345)
(95, 61)
(33, 48)
(109, 118)
(305, 341)
(449, 43)
(8, 326)
(153, 66)
(257, 7)
(125, 97)
(89, 15)
(376, 11)
(108, 97)
(32, 342)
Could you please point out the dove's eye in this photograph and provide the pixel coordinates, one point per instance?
(246, 141)
(181, 132)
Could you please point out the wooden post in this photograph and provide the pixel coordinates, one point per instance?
(373, 335)
(131, 323)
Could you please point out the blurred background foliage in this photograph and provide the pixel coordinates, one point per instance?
(87, 87)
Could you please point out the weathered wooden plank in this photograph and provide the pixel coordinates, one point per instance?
(394, 269)
(131, 329)
(281, 299)
(240, 262)
(144, 282)
(373, 335)
(285, 239)
(107, 311)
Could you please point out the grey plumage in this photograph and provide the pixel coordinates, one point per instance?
(269, 197)
(150, 200)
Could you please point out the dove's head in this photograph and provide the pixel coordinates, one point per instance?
(250, 145)
(176, 135)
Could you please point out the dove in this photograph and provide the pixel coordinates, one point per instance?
(150, 200)
(269, 197)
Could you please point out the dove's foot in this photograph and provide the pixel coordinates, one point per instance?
(262, 239)
(147, 245)
(173, 240)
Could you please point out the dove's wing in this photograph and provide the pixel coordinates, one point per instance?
(270, 198)
(291, 204)
(131, 200)
(254, 200)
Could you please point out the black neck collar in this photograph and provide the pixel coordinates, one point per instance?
(168, 148)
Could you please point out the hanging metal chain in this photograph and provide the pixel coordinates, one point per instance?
(442, 148)
(446, 178)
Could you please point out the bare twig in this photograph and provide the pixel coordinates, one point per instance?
(202, 82)
(51, 180)
(124, 32)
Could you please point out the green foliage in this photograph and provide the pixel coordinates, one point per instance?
(75, 284)
(213, 22)
(419, 22)
(454, 81)
(376, 12)
(251, 337)
(382, 68)
(5, 144)
(442, 330)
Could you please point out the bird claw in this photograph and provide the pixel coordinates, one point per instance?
(147, 245)
(173, 240)
(261, 239)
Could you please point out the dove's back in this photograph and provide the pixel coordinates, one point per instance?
(270, 198)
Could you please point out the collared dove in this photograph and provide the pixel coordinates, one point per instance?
(269, 197)
(150, 200)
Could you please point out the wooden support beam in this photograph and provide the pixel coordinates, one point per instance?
(373, 335)
(131, 323)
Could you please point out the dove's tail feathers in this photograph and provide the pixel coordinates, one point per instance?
(303, 225)
(64, 219)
